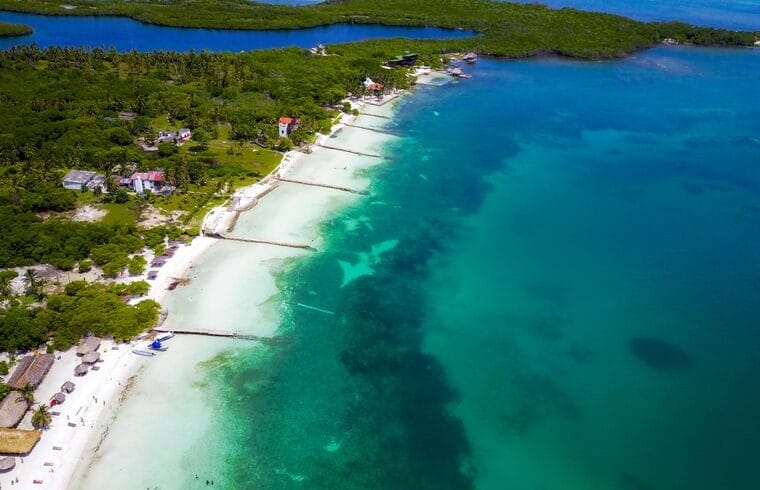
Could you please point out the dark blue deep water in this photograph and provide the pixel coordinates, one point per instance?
(126, 34)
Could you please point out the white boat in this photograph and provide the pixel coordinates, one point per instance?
(143, 353)
(165, 336)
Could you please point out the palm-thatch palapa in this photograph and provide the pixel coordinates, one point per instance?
(91, 357)
(7, 464)
(88, 344)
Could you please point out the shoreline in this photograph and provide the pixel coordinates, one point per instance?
(245, 201)
(119, 367)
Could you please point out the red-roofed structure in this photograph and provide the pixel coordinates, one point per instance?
(287, 125)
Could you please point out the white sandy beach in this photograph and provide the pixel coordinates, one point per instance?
(227, 294)
(232, 288)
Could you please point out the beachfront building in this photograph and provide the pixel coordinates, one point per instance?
(406, 59)
(12, 409)
(153, 181)
(287, 125)
(17, 441)
(76, 180)
(373, 87)
(175, 137)
(31, 370)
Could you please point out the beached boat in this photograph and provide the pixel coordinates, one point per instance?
(156, 345)
(143, 353)
(165, 336)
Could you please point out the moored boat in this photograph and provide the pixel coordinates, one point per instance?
(143, 353)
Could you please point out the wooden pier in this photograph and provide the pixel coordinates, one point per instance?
(302, 246)
(374, 115)
(382, 131)
(326, 186)
(373, 155)
(207, 333)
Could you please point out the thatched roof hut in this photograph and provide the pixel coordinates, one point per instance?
(68, 387)
(12, 409)
(88, 344)
(81, 370)
(31, 370)
(7, 464)
(91, 357)
(59, 398)
(17, 441)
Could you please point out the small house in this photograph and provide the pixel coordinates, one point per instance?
(406, 59)
(141, 181)
(31, 370)
(76, 180)
(287, 125)
(87, 345)
(175, 137)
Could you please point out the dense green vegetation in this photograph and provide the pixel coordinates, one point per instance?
(81, 309)
(509, 29)
(12, 30)
(59, 107)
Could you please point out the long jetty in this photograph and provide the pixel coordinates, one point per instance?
(373, 155)
(326, 186)
(302, 246)
(374, 115)
(382, 131)
(207, 333)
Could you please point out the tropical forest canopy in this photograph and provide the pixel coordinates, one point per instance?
(508, 29)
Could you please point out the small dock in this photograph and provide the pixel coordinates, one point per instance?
(373, 155)
(381, 131)
(302, 246)
(374, 115)
(326, 186)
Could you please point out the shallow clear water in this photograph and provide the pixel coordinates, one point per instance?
(728, 14)
(553, 285)
(125, 34)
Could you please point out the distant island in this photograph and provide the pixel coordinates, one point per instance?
(507, 29)
(13, 30)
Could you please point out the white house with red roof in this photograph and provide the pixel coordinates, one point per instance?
(288, 125)
(142, 181)
(373, 87)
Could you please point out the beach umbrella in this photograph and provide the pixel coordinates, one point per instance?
(91, 357)
(81, 370)
(7, 463)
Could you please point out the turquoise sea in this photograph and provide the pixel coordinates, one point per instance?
(554, 284)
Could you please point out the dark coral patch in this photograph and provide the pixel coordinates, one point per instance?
(659, 354)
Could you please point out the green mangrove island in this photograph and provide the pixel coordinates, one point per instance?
(13, 30)
(507, 29)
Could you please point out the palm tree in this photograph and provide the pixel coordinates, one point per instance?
(5, 285)
(41, 417)
(27, 392)
(34, 283)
